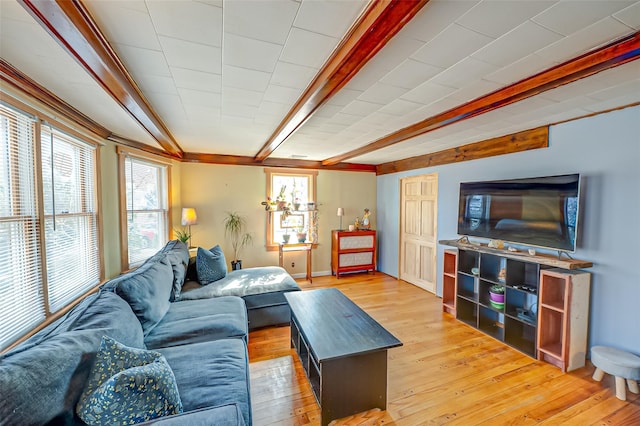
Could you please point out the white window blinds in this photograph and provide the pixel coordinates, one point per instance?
(22, 302)
(70, 217)
(49, 244)
(146, 208)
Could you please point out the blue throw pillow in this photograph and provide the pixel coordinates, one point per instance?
(210, 265)
(128, 386)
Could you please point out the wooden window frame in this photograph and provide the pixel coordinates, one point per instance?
(311, 175)
(123, 154)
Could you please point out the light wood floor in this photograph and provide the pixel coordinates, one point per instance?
(445, 373)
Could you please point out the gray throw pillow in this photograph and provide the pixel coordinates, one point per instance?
(211, 265)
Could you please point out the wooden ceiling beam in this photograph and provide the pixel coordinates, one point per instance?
(239, 160)
(16, 79)
(617, 53)
(516, 142)
(71, 25)
(376, 26)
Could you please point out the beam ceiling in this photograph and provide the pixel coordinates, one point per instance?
(609, 56)
(70, 24)
(376, 26)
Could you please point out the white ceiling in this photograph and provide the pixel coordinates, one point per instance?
(223, 74)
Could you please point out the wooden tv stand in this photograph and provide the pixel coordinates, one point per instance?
(546, 309)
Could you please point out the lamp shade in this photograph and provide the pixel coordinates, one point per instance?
(340, 211)
(189, 216)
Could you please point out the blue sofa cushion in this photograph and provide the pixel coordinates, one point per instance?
(43, 377)
(178, 254)
(203, 320)
(225, 415)
(210, 264)
(212, 373)
(147, 290)
(128, 386)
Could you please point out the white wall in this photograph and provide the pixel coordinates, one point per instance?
(605, 150)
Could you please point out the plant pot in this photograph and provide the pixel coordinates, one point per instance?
(285, 238)
(496, 297)
(282, 205)
(302, 237)
(296, 206)
(236, 265)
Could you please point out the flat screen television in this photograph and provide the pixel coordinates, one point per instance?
(540, 212)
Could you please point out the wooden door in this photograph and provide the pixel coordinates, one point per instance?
(418, 230)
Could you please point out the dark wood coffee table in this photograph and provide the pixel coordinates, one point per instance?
(343, 351)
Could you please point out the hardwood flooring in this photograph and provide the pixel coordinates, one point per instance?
(445, 373)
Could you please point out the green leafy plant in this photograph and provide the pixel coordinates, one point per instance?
(497, 289)
(183, 235)
(234, 229)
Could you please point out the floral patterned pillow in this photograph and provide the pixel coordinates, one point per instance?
(128, 386)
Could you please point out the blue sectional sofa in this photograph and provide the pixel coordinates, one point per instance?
(203, 341)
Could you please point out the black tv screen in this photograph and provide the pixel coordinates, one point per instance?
(540, 212)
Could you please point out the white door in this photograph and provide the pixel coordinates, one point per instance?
(418, 230)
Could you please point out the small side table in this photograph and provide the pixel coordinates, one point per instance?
(283, 248)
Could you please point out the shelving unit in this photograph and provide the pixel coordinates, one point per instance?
(564, 308)
(353, 251)
(477, 272)
(546, 308)
(449, 281)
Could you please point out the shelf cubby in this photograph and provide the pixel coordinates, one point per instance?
(467, 287)
(491, 322)
(490, 266)
(467, 311)
(467, 261)
(449, 281)
(520, 335)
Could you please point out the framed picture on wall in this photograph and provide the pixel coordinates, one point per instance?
(292, 221)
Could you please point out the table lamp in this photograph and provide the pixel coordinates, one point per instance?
(340, 213)
(189, 217)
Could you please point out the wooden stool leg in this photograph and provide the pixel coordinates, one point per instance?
(633, 386)
(621, 390)
(598, 375)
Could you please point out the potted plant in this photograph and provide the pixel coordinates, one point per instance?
(182, 235)
(234, 229)
(301, 235)
(496, 293)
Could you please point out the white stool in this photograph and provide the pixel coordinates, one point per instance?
(623, 365)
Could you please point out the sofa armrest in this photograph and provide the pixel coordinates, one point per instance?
(222, 415)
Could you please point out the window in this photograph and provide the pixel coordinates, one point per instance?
(294, 192)
(70, 217)
(145, 200)
(49, 236)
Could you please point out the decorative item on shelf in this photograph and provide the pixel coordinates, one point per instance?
(311, 206)
(296, 204)
(340, 213)
(498, 244)
(357, 223)
(189, 217)
(496, 296)
(269, 204)
(475, 271)
(282, 198)
(502, 275)
(366, 224)
(285, 237)
(352, 228)
(532, 252)
(234, 229)
(301, 235)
